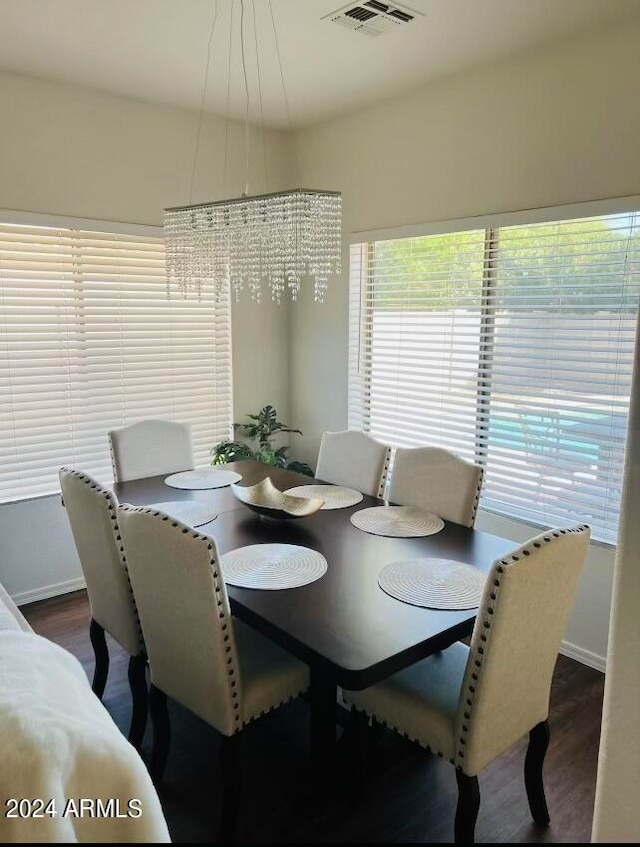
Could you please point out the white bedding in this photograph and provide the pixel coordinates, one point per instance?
(57, 742)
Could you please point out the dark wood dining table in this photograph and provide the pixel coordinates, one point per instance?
(344, 626)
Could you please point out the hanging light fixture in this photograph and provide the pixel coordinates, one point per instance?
(278, 238)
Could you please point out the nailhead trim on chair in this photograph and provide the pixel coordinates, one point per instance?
(404, 734)
(385, 472)
(233, 670)
(113, 459)
(496, 573)
(476, 499)
(272, 708)
(111, 506)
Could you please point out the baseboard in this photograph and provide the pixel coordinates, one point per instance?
(585, 657)
(47, 591)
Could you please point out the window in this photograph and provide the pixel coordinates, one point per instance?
(89, 341)
(513, 347)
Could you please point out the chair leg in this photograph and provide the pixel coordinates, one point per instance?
(161, 732)
(377, 730)
(101, 653)
(358, 737)
(231, 780)
(467, 808)
(538, 743)
(139, 696)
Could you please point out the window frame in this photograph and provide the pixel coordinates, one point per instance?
(12, 216)
(491, 225)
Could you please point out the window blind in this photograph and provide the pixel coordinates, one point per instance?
(89, 341)
(511, 346)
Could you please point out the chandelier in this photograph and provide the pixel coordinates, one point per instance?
(279, 238)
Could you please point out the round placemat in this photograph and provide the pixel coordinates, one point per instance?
(202, 478)
(397, 521)
(188, 511)
(433, 583)
(272, 566)
(334, 496)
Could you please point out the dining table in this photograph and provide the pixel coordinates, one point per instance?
(349, 632)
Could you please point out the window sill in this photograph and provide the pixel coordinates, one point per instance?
(595, 542)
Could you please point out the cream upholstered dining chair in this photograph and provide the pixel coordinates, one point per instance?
(219, 668)
(150, 448)
(91, 510)
(438, 481)
(353, 459)
(470, 704)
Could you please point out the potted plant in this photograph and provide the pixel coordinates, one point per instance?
(259, 432)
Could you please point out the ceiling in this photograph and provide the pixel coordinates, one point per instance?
(156, 50)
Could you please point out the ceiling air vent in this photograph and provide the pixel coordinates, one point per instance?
(372, 17)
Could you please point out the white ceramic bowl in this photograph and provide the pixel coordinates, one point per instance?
(267, 500)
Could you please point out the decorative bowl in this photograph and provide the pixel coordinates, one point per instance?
(268, 501)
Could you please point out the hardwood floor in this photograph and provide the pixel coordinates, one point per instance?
(408, 797)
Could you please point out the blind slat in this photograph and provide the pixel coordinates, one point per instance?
(90, 341)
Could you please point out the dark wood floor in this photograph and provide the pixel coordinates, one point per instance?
(409, 796)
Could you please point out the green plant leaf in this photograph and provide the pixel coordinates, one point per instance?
(259, 430)
(230, 451)
(300, 467)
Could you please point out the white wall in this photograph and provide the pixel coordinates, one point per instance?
(70, 151)
(37, 555)
(556, 127)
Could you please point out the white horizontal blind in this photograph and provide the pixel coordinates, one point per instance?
(511, 346)
(89, 341)
(415, 350)
(565, 300)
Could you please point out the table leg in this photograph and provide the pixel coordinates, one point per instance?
(322, 696)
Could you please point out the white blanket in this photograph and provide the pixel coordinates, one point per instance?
(59, 744)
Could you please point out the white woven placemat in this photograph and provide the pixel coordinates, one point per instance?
(202, 478)
(188, 511)
(433, 583)
(397, 521)
(334, 496)
(272, 566)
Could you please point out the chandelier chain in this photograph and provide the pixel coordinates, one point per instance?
(203, 101)
(226, 111)
(246, 94)
(284, 93)
(262, 130)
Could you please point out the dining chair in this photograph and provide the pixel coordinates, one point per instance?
(470, 704)
(221, 669)
(91, 510)
(438, 481)
(353, 459)
(150, 448)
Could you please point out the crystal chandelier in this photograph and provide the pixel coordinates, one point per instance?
(280, 238)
